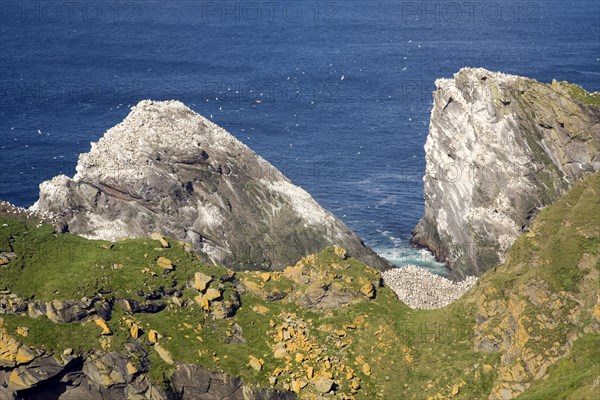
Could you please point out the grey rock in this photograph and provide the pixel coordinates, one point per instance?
(6, 257)
(12, 304)
(322, 296)
(106, 376)
(132, 306)
(196, 383)
(41, 369)
(236, 335)
(70, 310)
(167, 169)
(500, 148)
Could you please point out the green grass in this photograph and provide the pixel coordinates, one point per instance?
(581, 94)
(67, 266)
(51, 336)
(413, 354)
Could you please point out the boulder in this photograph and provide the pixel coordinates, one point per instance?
(103, 326)
(164, 354)
(164, 263)
(212, 294)
(39, 370)
(132, 306)
(7, 257)
(153, 336)
(321, 296)
(108, 369)
(368, 289)
(201, 281)
(266, 276)
(323, 385)
(12, 352)
(255, 363)
(157, 236)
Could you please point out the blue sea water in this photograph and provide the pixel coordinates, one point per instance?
(337, 94)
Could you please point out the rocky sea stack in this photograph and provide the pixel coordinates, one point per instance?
(167, 169)
(500, 148)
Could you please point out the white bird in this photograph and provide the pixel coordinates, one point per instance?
(342, 77)
(39, 132)
(404, 69)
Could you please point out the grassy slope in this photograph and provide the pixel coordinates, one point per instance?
(394, 340)
(575, 377)
(412, 354)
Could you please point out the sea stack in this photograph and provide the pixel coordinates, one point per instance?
(500, 148)
(167, 169)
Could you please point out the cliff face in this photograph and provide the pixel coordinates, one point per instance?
(499, 149)
(168, 169)
(544, 299)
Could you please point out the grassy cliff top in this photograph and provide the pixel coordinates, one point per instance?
(327, 319)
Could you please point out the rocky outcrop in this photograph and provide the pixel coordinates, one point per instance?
(314, 284)
(35, 374)
(508, 326)
(192, 382)
(535, 306)
(499, 149)
(167, 169)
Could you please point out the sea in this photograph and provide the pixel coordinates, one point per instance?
(337, 94)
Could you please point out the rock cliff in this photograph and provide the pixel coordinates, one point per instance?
(500, 148)
(544, 299)
(168, 169)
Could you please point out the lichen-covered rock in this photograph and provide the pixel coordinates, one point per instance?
(164, 263)
(157, 236)
(368, 289)
(71, 310)
(323, 385)
(164, 354)
(12, 352)
(167, 168)
(7, 257)
(500, 147)
(520, 327)
(105, 329)
(39, 370)
(201, 281)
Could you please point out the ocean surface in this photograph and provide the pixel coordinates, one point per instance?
(337, 94)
